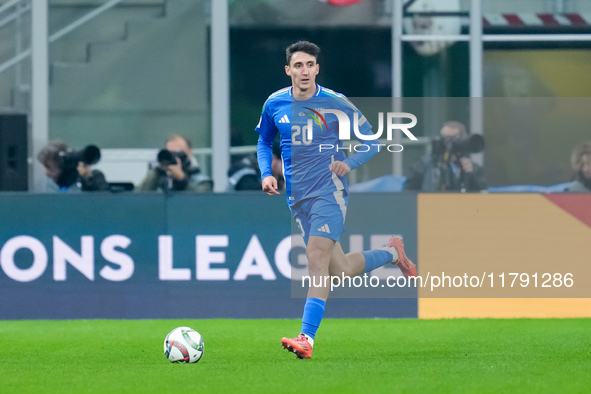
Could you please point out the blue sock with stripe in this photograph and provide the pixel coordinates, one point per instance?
(376, 258)
(313, 312)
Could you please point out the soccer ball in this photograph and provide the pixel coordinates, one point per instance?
(183, 344)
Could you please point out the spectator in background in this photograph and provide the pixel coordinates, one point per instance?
(277, 167)
(244, 175)
(177, 170)
(68, 172)
(581, 164)
(449, 167)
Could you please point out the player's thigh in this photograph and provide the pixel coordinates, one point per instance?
(322, 216)
(327, 215)
(319, 252)
(300, 213)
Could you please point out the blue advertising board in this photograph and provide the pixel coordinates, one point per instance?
(142, 256)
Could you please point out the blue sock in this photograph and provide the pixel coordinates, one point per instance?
(313, 312)
(375, 258)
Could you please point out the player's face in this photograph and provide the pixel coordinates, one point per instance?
(303, 70)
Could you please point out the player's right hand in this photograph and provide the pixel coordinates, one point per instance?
(270, 185)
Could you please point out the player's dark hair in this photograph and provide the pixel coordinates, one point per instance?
(302, 46)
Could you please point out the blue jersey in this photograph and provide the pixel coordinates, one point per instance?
(309, 141)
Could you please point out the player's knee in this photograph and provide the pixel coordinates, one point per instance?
(318, 261)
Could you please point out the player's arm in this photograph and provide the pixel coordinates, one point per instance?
(265, 157)
(361, 157)
(267, 131)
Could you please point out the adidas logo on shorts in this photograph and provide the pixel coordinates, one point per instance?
(324, 229)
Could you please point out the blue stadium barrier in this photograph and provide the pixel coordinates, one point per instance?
(383, 184)
(147, 256)
(558, 188)
(393, 184)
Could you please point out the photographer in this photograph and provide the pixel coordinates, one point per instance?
(244, 175)
(177, 170)
(69, 171)
(449, 167)
(581, 165)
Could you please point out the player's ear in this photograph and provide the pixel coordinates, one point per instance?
(287, 70)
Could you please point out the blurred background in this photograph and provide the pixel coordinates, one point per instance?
(126, 74)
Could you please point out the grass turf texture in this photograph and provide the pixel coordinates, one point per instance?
(522, 355)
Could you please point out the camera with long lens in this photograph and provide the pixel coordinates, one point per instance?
(458, 147)
(169, 158)
(89, 155)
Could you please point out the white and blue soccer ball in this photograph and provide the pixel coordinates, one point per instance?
(183, 344)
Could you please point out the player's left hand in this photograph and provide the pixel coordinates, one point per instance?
(340, 168)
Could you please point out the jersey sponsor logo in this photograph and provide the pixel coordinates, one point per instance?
(317, 116)
(324, 229)
(284, 119)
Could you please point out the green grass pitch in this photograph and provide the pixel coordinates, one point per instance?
(364, 356)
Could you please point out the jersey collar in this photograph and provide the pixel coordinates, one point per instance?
(318, 90)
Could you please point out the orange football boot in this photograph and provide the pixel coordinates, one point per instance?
(406, 266)
(298, 345)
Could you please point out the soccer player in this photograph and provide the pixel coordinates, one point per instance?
(317, 190)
